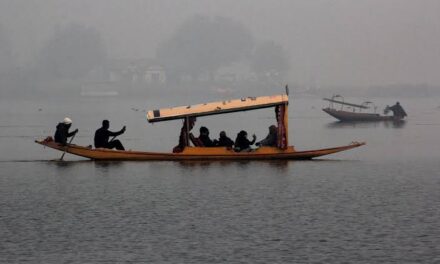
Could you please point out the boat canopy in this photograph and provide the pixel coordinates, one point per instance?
(344, 103)
(215, 108)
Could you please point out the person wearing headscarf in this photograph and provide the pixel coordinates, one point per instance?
(62, 132)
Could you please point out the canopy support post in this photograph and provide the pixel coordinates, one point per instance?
(187, 131)
(281, 112)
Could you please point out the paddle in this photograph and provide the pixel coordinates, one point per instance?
(113, 138)
(65, 148)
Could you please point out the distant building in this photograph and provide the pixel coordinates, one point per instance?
(155, 75)
(136, 71)
(236, 72)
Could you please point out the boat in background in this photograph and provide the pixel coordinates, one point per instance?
(355, 115)
(185, 151)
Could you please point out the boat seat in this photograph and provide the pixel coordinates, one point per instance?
(196, 141)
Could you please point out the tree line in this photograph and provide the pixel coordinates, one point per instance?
(200, 46)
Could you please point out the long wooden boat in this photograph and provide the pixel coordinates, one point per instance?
(186, 151)
(356, 114)
(197, 153)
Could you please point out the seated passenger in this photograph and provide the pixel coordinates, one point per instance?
(242, 143)
(204, 137)
(224, 141)
(102, 136)
(271, 138)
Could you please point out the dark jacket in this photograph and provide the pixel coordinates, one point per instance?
(62, 133)
(398, 110)
(102, 136)
(207, 142)
(224, 142)
(241, 142)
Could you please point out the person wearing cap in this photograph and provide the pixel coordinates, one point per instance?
(62, 132)
(102, 136)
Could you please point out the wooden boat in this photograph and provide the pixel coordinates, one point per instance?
(356, 114)
(198, 153)
(185, 151)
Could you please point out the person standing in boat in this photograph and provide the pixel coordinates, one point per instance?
(242, 143)
(398, 110)
(224, 141)
(271, 138)
(102, 136)
(204, 137)
(62, 132)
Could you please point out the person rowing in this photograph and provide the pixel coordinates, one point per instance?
(102, 136)
(62, 132)
(397, 110)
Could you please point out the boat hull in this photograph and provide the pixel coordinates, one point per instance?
(197, 153)
(346, 116)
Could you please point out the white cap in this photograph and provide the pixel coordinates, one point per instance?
(67, 121)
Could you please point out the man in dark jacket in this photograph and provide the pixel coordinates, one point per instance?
(224, 141)
(271, 138)
(62, 132)
(204, 137)
(102, 136)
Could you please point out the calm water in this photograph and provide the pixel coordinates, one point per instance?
(376, 204)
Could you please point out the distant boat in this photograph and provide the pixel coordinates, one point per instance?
(355, 115)
(184, 151)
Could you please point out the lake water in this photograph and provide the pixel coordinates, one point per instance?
(379, 203)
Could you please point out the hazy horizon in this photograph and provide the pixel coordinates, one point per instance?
(343, 42)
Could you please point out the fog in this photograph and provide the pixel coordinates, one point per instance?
(222, 45)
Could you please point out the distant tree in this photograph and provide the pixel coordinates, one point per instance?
(202, 45)
(270, 60)
(72, 52)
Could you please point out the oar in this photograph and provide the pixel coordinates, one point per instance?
(65, 148)
(113, 138)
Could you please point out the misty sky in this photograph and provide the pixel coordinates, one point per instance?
(333, 42)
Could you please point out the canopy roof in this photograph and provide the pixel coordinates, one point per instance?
(215, 108)
(344, 103)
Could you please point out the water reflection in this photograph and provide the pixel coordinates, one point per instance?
(242, 164)
(65, 163)
(106, 165)
(62, 164)
(280, 164)
(386, 124)
(395, 124)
